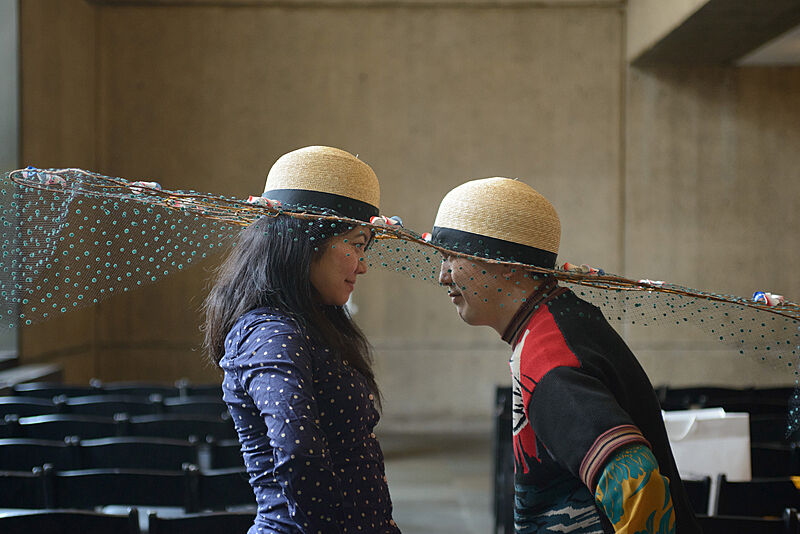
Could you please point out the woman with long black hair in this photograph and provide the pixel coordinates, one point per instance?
(298, 379)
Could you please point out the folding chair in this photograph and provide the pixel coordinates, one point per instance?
(26, 406)
(181, 426)
(756, 498)
(139, 389)
(698, 491)
(771, 428)
(48, 390)
(201, 390)
(21, 489)
(59, 426)
(109, 405)
(503, 462)
(787, 523)
(221, 489)
(196, 405)
(209, 523)
(91, 488)
(226, 454)
(19, 454)
(68, 522)
(770, 460)
(126, 452)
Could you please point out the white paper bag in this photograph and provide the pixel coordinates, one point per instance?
(709, 442)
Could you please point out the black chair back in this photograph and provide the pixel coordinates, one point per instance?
(48, 390)
(771, 428)
(756, 498)
(771, 460)
(220, 489)
(109, 405)
(212, 523)
(139, 389)
(503, 465)
(26, 406)
(181, 426)
(196, 405)
(126, 452)
(226, 454)
(19, 454)
(698, 491)
(21, 489)
(201, 390)
(88, 489)
(748, 525)
(68, 522)
(59, 426)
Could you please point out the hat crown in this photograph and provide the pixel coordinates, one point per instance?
(327, 170)
(502, 208)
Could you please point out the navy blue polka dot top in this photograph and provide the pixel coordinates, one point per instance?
(305, 421)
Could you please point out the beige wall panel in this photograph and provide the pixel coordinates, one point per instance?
(209, 98)
(711, 194)
(161, 365)
(57, 48)
(57, 104)
(77, 368)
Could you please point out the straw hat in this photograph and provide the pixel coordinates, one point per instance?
(499, 218)
(322, 178)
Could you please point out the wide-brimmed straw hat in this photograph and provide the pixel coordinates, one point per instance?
(324, 179)
(500, 219)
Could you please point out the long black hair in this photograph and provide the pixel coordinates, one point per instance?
(270, 266)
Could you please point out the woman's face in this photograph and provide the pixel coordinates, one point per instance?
(334, 271)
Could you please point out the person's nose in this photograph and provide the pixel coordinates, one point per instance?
(361, 268)
(445, 277)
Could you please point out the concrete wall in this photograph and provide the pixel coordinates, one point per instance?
(711, 194)
(206, 95)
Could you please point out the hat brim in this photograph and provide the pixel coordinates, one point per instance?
(492, 248)
(323, 203)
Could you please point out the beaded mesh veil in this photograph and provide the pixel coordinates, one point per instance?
(71, 238)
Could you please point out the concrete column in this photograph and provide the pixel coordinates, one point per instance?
(9, 115)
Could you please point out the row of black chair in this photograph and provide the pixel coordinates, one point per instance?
(108, 405)
(21, 454)
(175, 426)
(190, 488)
(181, 388)
(86, 522)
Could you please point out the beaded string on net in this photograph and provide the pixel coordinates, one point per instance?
(72, 238)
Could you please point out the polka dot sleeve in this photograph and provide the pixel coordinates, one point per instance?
(276, 371)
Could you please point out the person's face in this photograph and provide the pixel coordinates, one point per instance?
(334, 271)
(465, 280)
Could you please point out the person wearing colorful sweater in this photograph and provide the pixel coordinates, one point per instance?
(591, 450)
